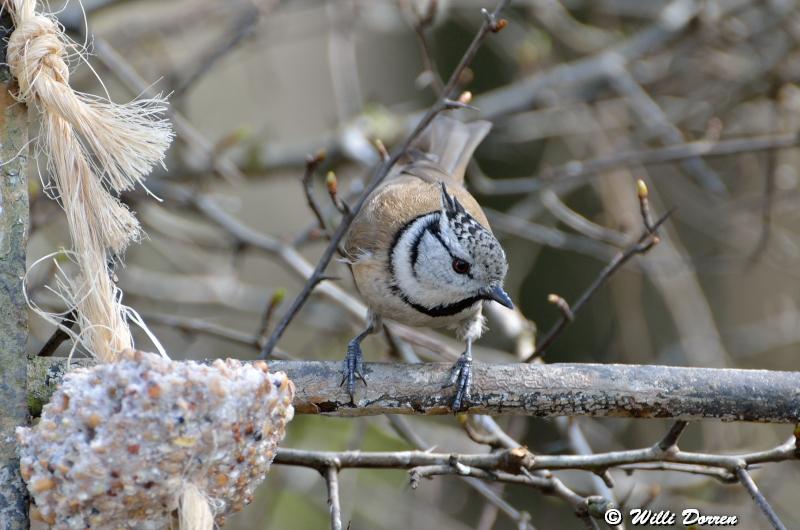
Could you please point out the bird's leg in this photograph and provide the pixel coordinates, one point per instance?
(461, 377)
(353, 365)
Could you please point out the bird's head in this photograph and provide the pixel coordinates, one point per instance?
(446, 261)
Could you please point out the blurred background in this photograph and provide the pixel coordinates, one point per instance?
(586, 96)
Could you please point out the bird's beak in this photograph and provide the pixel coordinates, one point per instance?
(499, 295)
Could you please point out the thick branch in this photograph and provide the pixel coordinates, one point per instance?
(13, 308)
(536, 390)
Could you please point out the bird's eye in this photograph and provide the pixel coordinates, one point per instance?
(460, 266)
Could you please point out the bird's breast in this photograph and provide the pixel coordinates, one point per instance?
(383, 298)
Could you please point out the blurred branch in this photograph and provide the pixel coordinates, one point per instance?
(545, 235)
(654, 118)
(184, 129)
(198, 326)
(645, 391)
(422, 23)
(673, 19)
(243, 26)
(312, 163)
(576, 171)
(646, 241)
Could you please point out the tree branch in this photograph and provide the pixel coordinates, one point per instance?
(759, 499)
(13, 308)
(528, 389)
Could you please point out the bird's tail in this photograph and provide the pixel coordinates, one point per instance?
(450, 143)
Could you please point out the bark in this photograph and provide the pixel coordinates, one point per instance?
(13, 309)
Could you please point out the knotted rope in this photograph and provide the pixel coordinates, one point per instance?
(94, 148)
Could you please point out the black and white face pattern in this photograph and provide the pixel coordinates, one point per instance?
(444, 262)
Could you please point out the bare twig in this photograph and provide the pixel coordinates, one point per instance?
(331, 475)
(645, 242)
(574, 220)
(490, 24)
(671, 438)
(312, 163)
(518, 461)
(266, 318)
(758, 498)
(332, 184)
(423, 22)
(400, 424)
(58, 336)
(546, 235)
(562, 306)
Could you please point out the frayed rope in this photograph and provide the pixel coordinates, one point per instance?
(94, 148)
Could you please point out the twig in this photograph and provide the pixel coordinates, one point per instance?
(490, 24)
(645, 242)
(577, 222)
(58, 336)
(603, 483)
(518, 461)
(759, 499)
(562, 306)
(266, 319)
(331, 475)
(400, 424)
(422, 23)
(723, 476)
(312, 163)
(671, 438)
(332, 184)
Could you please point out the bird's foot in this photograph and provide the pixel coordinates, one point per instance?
(461, 378)
(353, 368)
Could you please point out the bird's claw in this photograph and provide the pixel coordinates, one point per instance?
(353, 368)
(461, 378)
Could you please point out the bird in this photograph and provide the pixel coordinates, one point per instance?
(422, 252)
